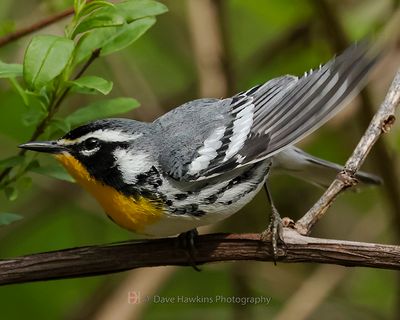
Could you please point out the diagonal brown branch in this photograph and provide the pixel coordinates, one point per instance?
(382, 158)
(380, 123)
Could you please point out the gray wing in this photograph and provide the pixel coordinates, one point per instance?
(258, 123)
(183, 131)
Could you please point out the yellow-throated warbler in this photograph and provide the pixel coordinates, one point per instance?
(203, 161)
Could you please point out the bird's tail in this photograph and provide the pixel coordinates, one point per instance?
(297, 163)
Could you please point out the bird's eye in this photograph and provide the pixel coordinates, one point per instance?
(91, 143)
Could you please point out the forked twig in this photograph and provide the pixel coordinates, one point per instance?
(380, 123)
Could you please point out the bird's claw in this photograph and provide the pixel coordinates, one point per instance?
(187, 243)
(274, 233)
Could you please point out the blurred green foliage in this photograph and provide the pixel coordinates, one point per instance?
(160, 71)
(50, 70)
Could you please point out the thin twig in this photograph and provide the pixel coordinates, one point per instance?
(380, 123)
(105, 259)
(35, 27)
(382, 158)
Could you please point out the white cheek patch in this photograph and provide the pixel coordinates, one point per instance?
(104, 135)
(131, 164)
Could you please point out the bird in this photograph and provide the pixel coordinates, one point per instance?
(203, 161)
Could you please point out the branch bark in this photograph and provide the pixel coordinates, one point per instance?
(104, 259)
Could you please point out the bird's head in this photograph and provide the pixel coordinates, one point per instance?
(101, 149)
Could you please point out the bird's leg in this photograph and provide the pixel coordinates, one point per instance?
(187, 243)
(275, 228)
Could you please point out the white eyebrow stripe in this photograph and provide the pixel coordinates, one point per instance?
(104, 135)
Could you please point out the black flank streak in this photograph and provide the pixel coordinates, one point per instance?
(191, 209)
(181, 196)
(151, 177)
(243, 178)
(188, 209)
(211, 199)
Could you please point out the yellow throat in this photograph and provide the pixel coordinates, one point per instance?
(128, 212)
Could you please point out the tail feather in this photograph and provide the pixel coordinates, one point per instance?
(297, 163)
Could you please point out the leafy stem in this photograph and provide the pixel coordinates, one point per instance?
(51, 71)
(53, 108)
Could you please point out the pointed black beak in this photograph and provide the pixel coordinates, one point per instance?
(43, 146)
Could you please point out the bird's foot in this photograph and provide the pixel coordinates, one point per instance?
(187, 243)
(274, 232)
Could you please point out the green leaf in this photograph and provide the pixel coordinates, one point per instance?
(127, 35)
(11, 193)
(8, 218)
(45, 58)
(111, 39)
(101, 109)
(20, 91)
(95, 5)
(91, 84)
(98, 20)
(79, 5)
(10, 70)
(54, 171)
(136, 9)
(11, 161)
